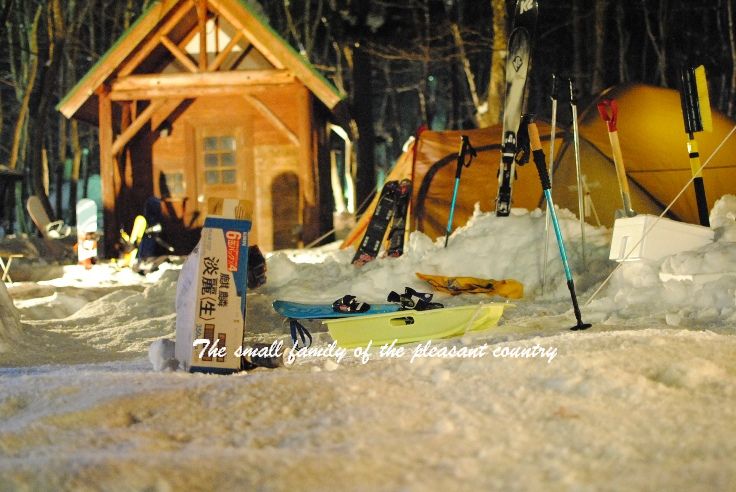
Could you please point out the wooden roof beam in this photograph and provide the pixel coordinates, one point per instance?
(202, 28)
(136, 125)
(276, 50)
(179, 54)
(272, 117)
(187, 85)
(265, 51)
(142, 53)
(217, 62)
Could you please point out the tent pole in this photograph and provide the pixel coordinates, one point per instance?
(576, 139)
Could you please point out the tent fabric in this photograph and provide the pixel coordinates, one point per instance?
(430, 162)
(654, 147)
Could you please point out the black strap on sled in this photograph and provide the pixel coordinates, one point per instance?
(299, 333)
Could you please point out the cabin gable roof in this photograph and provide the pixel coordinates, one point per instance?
(160, 38)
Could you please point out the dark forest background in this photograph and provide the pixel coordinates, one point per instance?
(402, 64)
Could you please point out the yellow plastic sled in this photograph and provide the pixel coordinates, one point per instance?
(413, 326)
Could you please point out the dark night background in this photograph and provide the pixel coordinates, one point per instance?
(397, 61)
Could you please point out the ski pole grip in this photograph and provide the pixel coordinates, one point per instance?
(534, 141)
(535, 144)
(612, 118)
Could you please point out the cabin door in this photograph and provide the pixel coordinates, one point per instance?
(224, 165)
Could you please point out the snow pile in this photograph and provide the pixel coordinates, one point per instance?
(84, 410)
(696, 286)
(92, 315)
(10, 331)
(487, 247)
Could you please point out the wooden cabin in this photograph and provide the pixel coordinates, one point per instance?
(201, 98)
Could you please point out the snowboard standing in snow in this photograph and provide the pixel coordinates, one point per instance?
(152, 244)
(517, 69)
(376, 229)
(391, 209)
(131, 242)
(87, 232)
(398, 224)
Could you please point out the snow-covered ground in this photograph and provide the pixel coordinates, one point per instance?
(644, 400)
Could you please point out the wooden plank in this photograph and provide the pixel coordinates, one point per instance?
(114, 57)
(306, 162)
(107, 168)
(188, 93)
(272, 117)
(136, 125)
(146, 48)
(220, 58)
(126, 117)
(202, 27)
(179, 54)
(188, 85)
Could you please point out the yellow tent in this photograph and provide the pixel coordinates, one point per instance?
(654, 148)
(653, 143)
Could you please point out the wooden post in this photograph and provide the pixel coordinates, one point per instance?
(310, 207)
(202, 22)
(107, 170)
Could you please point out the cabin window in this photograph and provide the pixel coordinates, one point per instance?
(219, 160)
(172, 185)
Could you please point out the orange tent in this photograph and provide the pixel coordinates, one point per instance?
(653, 143)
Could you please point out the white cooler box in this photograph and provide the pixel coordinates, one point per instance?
(666, 238)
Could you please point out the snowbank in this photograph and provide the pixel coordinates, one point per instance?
(486, 247)
(689, 288)
(646, 390)
(10, 330)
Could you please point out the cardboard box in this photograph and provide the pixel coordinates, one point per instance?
(210, 293)
(664, 237)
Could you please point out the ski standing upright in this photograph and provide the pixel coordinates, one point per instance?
(517, 69)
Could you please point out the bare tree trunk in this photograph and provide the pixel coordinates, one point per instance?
(577, 44)
(74, 178)
(20, 124)
(363, 113)
(5, 14)
(10, 326)
(41, 101)
(497, 79)
(659, 49)
(596, 86)
(460, 46)
(623, 43)
(732, 44)
(425, 56)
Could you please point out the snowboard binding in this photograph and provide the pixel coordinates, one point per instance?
(349, 304)
(411, 299)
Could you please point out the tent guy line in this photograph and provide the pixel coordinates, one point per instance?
(677, 197)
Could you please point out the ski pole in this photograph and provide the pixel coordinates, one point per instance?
(698, 118)
(611, 118)
(536, 146)
(576, 141)
(552, 96)
(464, 147)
